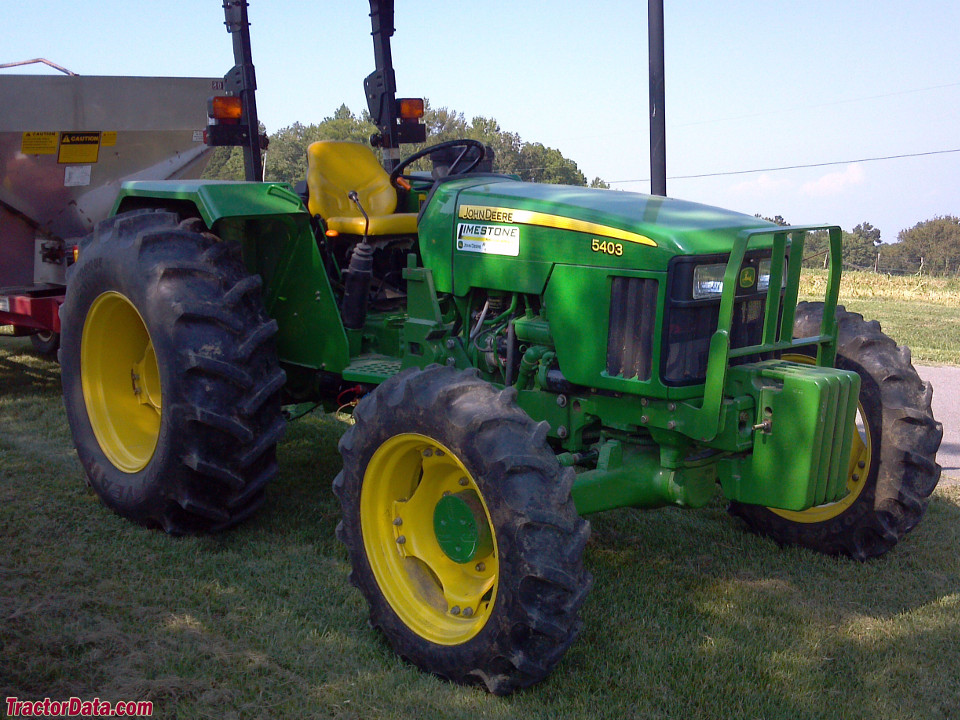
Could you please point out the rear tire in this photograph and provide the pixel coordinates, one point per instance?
(891, 484)
(503, 614)
(170, 376)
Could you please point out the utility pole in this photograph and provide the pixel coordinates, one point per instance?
(658, 126)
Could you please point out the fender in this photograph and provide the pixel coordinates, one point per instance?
(272, 226)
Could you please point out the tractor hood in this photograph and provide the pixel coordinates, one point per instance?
(498, 232)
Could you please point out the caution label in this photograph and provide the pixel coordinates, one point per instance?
(79, 147)
(489, 239)
(38, 143)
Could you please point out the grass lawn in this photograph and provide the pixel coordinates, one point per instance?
(690, 616)
(922, 313)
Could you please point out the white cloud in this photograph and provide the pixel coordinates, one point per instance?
(765, 184)
(835, 183)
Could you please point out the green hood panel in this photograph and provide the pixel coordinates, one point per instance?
(496, 231)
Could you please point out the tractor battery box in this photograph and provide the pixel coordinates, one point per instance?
(803, 433)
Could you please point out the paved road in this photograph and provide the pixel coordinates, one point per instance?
(946, 409)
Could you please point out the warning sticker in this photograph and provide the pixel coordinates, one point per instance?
(38, 143)
(79, 147)
(489, 239)
(108, 139)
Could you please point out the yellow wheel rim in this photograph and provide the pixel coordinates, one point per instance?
(442, 601)
(857, 471)
(121, 382)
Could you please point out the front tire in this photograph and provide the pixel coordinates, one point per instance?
(893, 467)
(170, 376)
(494, 599)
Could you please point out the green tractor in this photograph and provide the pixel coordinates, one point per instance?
(523, 355)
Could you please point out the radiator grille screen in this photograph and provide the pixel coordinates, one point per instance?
(633, 304)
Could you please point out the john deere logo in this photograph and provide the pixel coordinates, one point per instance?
(748, 277)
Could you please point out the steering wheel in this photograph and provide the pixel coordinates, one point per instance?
(459, 166)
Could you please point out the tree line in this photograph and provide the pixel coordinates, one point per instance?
(286, 157)
(931, 246)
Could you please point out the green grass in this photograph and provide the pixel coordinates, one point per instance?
(922, 313)
(690, 617)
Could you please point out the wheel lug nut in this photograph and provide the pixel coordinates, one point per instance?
(856, 477)
(428, 452)
(468, 612)
(401, 540)
(861, 464)
(464, 482)
(481, 567)
(398, 521)
(455, 610)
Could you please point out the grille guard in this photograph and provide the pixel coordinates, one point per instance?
(703, 423)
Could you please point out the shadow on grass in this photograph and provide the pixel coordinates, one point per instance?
(690, 617)
(23, 370)
(718, 623)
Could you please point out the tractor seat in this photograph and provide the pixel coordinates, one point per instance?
(334, 168)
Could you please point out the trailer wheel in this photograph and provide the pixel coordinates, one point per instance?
(170, 376)
(461, 529)
(893, 465)
(46, 343)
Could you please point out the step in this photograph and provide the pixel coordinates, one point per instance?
(371, 368)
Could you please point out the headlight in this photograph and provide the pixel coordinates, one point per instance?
(708, 280)
(763, 272)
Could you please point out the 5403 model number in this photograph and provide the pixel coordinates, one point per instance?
(606, 246)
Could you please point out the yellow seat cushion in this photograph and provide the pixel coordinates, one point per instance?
(334, 169)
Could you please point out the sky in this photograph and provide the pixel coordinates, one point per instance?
(749, 85)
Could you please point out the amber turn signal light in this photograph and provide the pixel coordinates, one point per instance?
(226, 108)
(411, 108)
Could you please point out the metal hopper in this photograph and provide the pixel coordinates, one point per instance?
(66, 145)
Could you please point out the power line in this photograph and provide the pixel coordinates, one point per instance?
(792, 167)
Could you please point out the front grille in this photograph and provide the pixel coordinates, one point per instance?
(688, 334)
(633, 304)
(691, 322)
